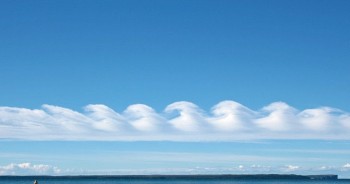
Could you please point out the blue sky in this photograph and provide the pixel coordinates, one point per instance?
(174, 79)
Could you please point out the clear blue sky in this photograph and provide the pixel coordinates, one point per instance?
(118, 53)
(73, 53)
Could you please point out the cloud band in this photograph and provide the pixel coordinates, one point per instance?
(180, 121)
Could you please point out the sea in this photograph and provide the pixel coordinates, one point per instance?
(98, 180)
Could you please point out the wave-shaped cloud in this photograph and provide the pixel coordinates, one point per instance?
(180, 121)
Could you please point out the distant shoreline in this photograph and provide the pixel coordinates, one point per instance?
(187, 177)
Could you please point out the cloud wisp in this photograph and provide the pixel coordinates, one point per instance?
(29, 169)
(180, 121)
(43, 169)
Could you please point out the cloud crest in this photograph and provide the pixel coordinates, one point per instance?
(180, 121)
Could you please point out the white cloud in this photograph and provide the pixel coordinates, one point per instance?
(43, 169)
(277, 116)
(29, 169)
(346, 167)
(317, 119)
(144, 118)
(325, 168)
(231, 116)
(105, 118)
(290, 168)
(190, 118)
(185, 121)
(241, 167)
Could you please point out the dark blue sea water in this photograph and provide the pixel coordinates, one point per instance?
(30, 180)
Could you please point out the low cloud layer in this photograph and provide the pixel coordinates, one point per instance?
(29, 169)
(43, 169)
(180, 121)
